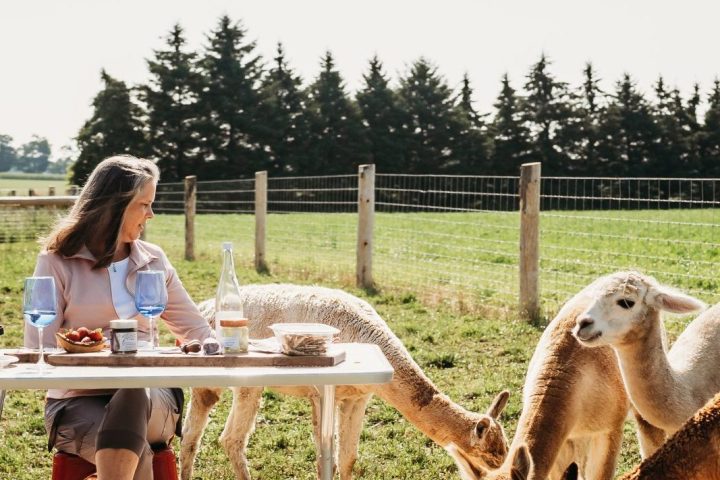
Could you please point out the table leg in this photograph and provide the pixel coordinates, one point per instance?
(2, 401)
(327, 430)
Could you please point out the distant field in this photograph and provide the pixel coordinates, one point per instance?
(21, 184)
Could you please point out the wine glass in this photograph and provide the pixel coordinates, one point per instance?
(39, 309)
(151, 298)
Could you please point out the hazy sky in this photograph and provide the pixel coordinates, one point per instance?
(51, 51)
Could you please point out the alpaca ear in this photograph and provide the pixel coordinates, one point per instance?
(521, 464)
(675, 302)
(499, 404)
(481, 427)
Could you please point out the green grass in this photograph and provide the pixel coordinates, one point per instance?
(21, 183)
(446, 286)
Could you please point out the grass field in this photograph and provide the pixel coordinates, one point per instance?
(21, 183)
(469, 351)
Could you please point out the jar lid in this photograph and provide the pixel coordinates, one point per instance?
(119, 324)
(243, 322)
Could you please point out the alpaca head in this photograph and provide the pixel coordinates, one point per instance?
(520, 467)
(624, 305)
(487, 445)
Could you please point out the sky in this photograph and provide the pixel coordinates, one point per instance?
(52, 51)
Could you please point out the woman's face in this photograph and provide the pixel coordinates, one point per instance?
(138, 211)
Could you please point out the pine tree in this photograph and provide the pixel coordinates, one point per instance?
(709, 138)
(284, 117)
(171, 100)
(8, 154)
(583, 134)
(670, 148)
(430, 125)
(628, 132)
(114, 128)
(382, 119)
(231, 103)
(510, 138)
(471, 143)
(547, 111)
(337, 142)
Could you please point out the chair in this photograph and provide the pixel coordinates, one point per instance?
(71, 467)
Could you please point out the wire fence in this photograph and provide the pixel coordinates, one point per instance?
(456, 239)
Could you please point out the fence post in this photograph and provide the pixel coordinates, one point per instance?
(31, 193)
(261, 179)
(530, 240)
(51, 191)
(366, 222)
(12, 193)
(190, 200)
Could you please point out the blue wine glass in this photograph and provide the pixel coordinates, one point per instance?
(39, 309)
(151, 298)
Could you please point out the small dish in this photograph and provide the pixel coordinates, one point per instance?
(6, 360)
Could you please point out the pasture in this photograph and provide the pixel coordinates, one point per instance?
(21, 183)
(450, 302)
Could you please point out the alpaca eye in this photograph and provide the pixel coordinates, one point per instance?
(625, 303)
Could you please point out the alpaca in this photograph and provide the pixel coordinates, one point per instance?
(479, 436)
(665, 388)
(574, 407)
(692, 453)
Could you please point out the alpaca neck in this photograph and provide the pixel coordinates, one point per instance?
(420, 402)
(651, 382)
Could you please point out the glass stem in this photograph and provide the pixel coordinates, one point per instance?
(41, 359)
(152, 332)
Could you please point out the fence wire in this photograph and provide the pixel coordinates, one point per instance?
(455, 238)
(451, 237)
(667, 228)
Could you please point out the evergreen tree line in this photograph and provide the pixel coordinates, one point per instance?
(224, 113)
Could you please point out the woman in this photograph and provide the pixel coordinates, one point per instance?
(94, 254)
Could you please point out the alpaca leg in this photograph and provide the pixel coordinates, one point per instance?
(603, 451)
(201, 402)
(649, 437)
(350, 421)
(239, 426)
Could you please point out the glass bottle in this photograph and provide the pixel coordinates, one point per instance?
(230, 322)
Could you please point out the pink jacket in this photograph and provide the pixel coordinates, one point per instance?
(84, 298)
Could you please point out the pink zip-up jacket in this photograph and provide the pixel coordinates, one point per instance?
(84, 299)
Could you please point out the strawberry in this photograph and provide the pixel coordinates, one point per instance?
(96, 335)
(83, 332)
(73, 336)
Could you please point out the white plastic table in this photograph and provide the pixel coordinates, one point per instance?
(364, 364)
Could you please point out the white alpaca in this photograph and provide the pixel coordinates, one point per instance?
(692, 453)
(478, 436)
(665, 388)
(574, 407)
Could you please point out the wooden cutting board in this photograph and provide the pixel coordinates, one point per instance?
(335, 355)
(24, 355)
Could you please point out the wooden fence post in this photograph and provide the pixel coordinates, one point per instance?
(261, 181)
(51, 191)
(31, 193)
(190, 201)
(366, 222)
(530, 241)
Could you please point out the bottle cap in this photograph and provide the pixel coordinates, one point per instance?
(243, 322)
(122, 323)
(227, 245)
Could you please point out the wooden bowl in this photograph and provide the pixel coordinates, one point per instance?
(77, 347)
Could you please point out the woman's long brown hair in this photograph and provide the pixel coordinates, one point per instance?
(97, 215)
